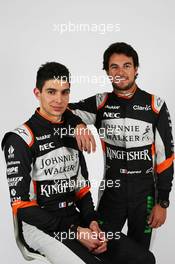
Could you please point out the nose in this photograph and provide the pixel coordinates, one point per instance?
(58, 98)
(120, 71)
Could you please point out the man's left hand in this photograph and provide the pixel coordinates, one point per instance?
(157, 216)
(85, 139)
(101, 236)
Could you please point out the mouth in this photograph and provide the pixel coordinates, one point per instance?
(57, 108)
(119, 79)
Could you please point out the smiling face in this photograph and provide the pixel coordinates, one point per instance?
(122, 72)
(53, 98)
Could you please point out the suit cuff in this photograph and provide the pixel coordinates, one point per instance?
(163, 195)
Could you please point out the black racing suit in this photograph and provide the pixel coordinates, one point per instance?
(48, 181)
(136, 138)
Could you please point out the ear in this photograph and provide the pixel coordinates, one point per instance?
(136, 70)
(37, 93)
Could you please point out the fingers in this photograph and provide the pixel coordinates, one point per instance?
(85, 140)
(157, 217)
(93, 143)
(79, 143)
(153, 222)
(156, 222)
(88, 142)
(87, 146)
(100, 249)
(102, 237)
(150, 220)
(155, 225)
(94, 226)
(94, 241)
(94, 244)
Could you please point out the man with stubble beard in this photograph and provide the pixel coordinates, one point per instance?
(136, 135)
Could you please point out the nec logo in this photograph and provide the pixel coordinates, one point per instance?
(46, 146)
(111, 115)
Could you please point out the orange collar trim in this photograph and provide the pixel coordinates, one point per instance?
(49, 119)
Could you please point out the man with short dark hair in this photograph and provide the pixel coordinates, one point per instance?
(136, 135)
(48, 183)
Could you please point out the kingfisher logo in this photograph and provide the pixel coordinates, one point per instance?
(54, 189)
(11, 152)
(127, 155)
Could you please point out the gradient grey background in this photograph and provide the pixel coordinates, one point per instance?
(28, 39)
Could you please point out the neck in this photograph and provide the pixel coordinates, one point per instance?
(54, 119)
(126, 93)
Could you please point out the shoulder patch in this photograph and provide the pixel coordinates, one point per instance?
(101, 100)
(156, 103)
(25, 133)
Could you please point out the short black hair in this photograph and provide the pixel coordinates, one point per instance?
(51, 70)
(120, 48)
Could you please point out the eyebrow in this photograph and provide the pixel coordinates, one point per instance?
(53, 89)
(114, 64)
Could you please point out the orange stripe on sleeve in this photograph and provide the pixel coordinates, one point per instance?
(82, 192)
(22, 204)
(102, 104)
(31, 133)
(152, 104)
(153, 149)
(165, 164)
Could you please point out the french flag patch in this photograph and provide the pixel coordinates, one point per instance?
(62, 205)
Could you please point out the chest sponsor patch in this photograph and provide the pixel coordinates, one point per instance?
(59, 163)
(127, 132)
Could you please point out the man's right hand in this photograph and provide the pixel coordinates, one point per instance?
(90, 240)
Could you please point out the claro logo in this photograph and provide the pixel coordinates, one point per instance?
(142, 108)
